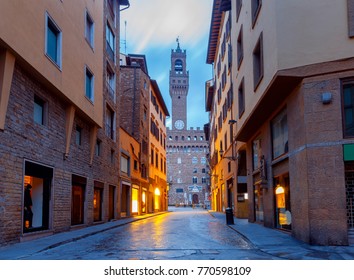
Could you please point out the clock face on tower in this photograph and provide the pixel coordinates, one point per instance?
(179, 124)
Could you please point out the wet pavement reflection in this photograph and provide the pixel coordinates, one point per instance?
(184, 233)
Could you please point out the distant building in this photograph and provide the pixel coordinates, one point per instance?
(186, 148)
(132, 194)
(143, 116)
(134, 109)
(291, 72)
(157, 140)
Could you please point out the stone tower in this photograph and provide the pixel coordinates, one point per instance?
(187, 170)
(179, 84)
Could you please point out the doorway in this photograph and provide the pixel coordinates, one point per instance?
(195, 199)
(78, 200)
(125, 200)
(282, 202)
(258, 203)
(37, 197)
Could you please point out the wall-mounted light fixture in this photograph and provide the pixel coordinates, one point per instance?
(326, 98)
(221, 152)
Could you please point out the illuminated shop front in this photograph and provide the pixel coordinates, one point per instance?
(36, 197)
(216, 199)
(143, 201)
(135, 200)
(157, 199)
(282, 202)
(223, 197)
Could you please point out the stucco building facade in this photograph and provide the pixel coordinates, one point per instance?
(292, 73)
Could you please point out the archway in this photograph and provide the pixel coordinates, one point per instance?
(195, 199)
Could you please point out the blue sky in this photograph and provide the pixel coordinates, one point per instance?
(152, 27)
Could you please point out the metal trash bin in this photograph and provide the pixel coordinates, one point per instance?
(229, 216)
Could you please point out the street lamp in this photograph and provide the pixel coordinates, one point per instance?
(221, 152)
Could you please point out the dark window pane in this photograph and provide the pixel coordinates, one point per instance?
(52, 41)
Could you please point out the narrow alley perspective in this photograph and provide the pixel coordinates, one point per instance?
(213, 135)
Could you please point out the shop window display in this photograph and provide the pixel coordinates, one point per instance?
(36, 197)
(282, 201)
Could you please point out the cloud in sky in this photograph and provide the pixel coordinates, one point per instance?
(152, 27)
(159, 22)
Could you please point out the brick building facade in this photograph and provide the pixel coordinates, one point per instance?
(134, 109)
(58, 117)
(143, 115)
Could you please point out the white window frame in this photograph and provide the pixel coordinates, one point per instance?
(125, 164)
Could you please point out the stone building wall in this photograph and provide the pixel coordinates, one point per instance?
(186, 152)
